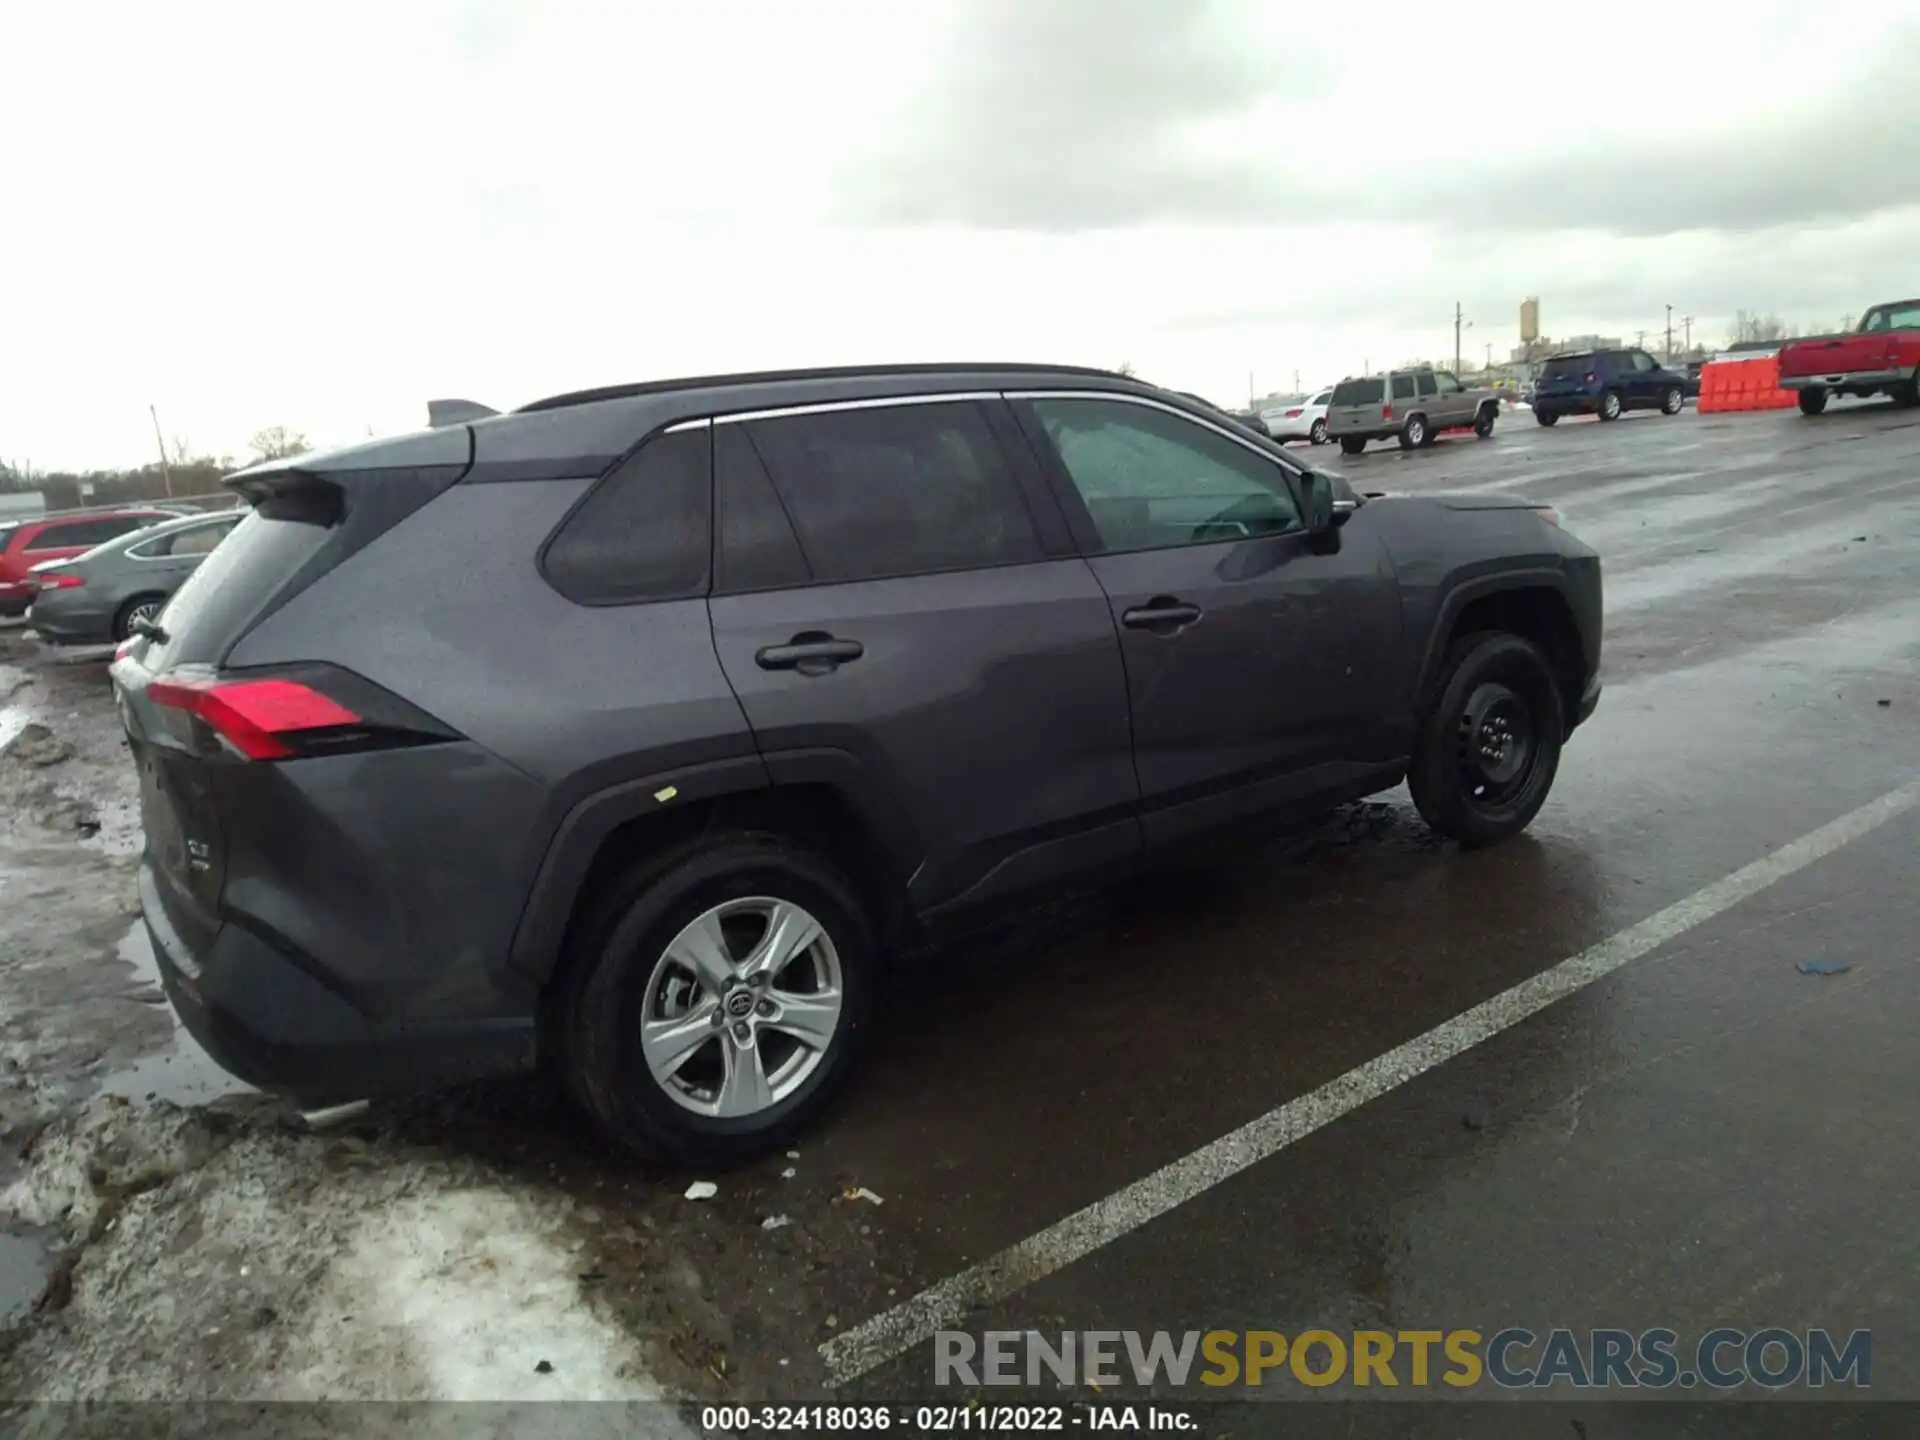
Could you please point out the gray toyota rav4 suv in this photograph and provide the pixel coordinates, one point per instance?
(638, 731)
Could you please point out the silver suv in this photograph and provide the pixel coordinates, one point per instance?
(1411, 406)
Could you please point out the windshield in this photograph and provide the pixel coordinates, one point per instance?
(1360, 392)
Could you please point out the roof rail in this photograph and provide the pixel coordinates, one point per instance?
(836, 372)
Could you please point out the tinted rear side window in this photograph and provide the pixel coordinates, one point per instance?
(757, 550)
(1403, 387)
(1566, 367)
(1360, 392)
(645, 531)
(902, 490)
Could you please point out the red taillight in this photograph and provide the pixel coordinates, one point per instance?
(1386, 412)
(249, 714)
(59, 580)
(1293, 415)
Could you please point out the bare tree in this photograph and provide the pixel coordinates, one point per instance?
(1752, 327)
(180, 452)
(1126, 369)
(276, 442)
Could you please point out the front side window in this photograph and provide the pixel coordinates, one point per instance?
(1449, 384)
(1153, 480)
(909, 489)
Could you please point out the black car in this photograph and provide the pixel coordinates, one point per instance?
(639, 731)
(1607, 383)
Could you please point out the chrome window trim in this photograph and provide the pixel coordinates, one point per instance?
(878, 402)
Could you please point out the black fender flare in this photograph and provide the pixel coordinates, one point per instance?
(1434, 649)
(575, 842)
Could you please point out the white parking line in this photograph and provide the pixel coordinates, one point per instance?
(894, 1332)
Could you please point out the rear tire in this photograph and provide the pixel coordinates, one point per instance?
(1317, 432)
(1351, 445)
(1483, 422)
(1496, 697)
(1813, 399)
(1672, 402)
(1610, 405)
(1546, 417)
(1908, 394)
(623, 977)
(140, 607)
(1414, 433)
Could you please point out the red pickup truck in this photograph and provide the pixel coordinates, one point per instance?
(1882, 354)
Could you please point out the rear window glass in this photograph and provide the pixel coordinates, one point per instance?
(644, 533)
(1562, 367)
(1360, 392)
(232, 584)
(1324, 397)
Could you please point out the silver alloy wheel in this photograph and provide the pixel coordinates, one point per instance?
(1610, 405)
(145, 610)
(1672, 400)
(1416, 430)
(1317, 432)
(742, 1007)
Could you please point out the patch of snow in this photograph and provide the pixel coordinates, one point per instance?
(460, 1296)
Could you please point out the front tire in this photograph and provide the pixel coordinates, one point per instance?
(720, 1000)
(1317, 432)
(1672, 401)
(1813, 400)
(1489, 745)
(1610, 405)
(1351, 444)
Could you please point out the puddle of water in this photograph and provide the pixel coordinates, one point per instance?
(183, 1073)
(25, 1263)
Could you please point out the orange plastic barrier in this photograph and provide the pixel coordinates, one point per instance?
(1729, 385)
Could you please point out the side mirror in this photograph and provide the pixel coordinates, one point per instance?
(1325, 511)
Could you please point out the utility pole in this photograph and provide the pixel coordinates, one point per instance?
(1669, 334)
(1489, 357)
(166, 470)
(1640, 339)
(1456, 337)
(1687, 320)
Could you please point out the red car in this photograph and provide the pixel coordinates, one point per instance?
(60, 536)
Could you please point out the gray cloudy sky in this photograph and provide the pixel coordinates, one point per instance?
(250, 214)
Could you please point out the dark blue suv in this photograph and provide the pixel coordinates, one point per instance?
(1606, 383)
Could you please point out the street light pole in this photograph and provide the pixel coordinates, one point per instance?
(1456, 337)
(166, 470)
(1669, 334)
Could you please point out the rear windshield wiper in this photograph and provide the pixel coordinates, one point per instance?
(153, 630)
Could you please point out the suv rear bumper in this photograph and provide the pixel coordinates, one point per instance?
(1575, 403)
(268, 1020)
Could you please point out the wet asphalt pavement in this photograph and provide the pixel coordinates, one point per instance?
(1704, 1136)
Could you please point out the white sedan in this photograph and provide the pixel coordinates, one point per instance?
(1301, 420)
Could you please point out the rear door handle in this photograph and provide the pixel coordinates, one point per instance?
(1162, 613)
(809, 654)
